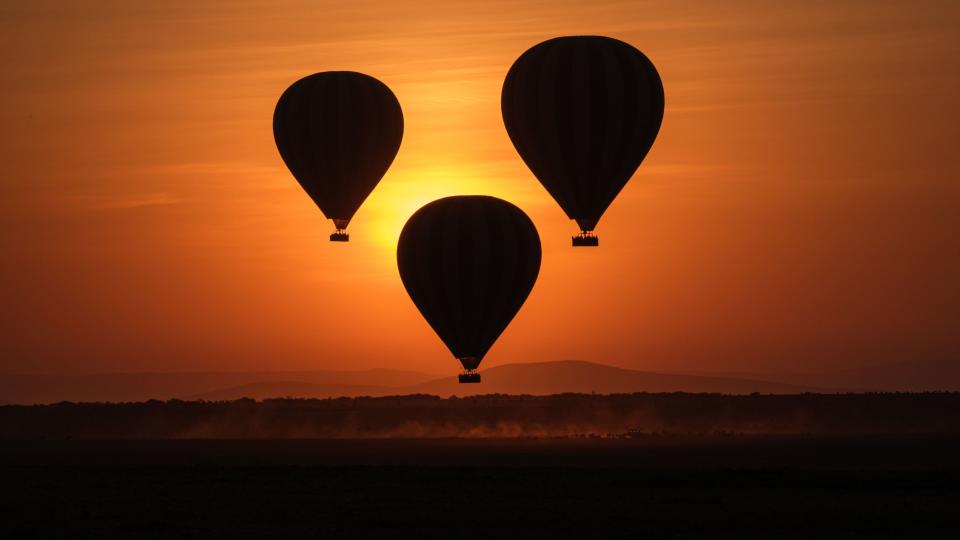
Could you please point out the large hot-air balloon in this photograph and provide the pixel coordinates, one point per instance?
(338, 132)
(582, 112)
(468, 263)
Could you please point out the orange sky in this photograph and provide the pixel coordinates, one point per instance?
(799, 210)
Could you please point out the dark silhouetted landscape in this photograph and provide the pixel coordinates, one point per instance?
(549, 448)
(492, 416)
(879, 465)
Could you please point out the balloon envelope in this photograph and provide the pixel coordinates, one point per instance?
(468, 263)
(582, 112)
(338, 132)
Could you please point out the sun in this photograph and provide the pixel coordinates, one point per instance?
(402, 194)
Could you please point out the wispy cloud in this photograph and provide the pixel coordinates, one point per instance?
(131, 201)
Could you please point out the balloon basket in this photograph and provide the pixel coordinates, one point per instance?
(340, 236)
(469, 377)
(585, 239)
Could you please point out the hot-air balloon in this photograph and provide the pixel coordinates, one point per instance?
(468, 263)
(338, 132)
(582, 112)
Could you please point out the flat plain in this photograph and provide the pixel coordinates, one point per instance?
(722, 486)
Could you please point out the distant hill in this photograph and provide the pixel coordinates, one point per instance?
(542, 378)
(275, 389)
(122, 387)
(913, 376)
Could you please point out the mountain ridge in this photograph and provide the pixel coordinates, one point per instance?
(927, 375)
(120, 387)
(534, 378)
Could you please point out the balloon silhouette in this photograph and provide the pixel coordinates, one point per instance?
(582, 112)
(338, 132)
(468, 263)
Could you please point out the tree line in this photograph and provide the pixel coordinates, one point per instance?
(563, 415)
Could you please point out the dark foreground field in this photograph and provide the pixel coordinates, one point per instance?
(898, 486)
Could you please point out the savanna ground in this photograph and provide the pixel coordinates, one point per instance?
(721, 486)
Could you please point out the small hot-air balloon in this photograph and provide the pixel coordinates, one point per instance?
(582, 112)
(468, 263)
(338, 132)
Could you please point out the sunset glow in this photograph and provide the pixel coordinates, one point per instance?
(797, 212)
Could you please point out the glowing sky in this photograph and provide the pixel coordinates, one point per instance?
(799, 211)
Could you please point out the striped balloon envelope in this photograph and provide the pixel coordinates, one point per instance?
(582, 112)
(338, 132)
(469, 262)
